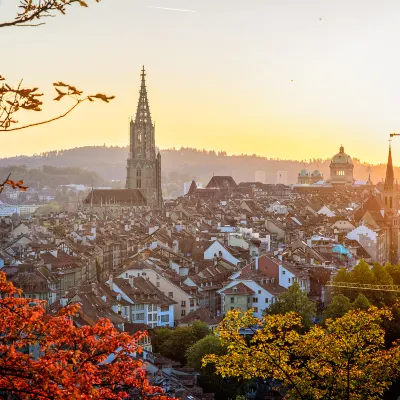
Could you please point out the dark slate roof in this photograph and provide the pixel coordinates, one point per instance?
(221, 182)
(116, 196)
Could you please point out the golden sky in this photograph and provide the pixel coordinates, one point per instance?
(279, 78)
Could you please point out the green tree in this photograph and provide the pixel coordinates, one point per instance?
(181, 338)
(394, 272)
(361, 303)
(294, 299)
(344, 360)
(159, 337)
(339, 306)
(210, 381)
(362, 273)
(210, 344)
(199, 329)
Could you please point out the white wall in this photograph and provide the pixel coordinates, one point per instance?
(215, 248)
(264, 298)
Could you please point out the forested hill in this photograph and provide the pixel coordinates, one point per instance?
(184, 164)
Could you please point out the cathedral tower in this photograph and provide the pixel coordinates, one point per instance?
(144, 165)
(391, 201)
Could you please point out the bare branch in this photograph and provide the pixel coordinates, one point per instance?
(32, 10)
(47, 121)
(13, 100)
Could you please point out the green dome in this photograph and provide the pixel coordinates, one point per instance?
(316, 172)
(304, 172)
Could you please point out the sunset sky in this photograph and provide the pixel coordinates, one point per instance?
(279, 78)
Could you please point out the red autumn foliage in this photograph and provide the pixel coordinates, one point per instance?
(70, 363)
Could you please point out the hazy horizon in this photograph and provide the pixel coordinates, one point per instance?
(271, 157)
(286, 79)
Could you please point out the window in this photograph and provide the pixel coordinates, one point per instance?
(255, 299)
(165, 318)
(191, 302)
(150, 317)
(139, 307)
(164, 309)
(139, 317)
(259, 292)
(255, 309)
(283, 272)
(158, 276)
(138, 178)
(158, 284)
(170, 294)
(232, 299)
(289, 280)
(183, 313)
(266, 300)
(183, 303)
(126, 275)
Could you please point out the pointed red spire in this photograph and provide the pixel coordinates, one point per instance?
(389, 179)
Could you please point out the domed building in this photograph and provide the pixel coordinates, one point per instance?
(306, 178)
(341, 169)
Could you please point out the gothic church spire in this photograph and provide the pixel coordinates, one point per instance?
(143, 116)
(389, 179)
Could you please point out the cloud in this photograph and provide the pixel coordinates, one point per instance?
(172, 9)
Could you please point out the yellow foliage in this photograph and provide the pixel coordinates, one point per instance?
(344, 359)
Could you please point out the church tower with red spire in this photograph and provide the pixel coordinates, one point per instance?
(144, 165)
(391, 201)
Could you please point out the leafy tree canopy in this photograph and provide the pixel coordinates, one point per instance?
(345, 359)
(294, 299)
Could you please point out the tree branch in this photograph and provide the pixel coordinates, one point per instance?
(47, 121)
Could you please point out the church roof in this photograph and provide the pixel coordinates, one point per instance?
(221, 182)
(116, 196)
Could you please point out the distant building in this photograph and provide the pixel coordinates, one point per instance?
(259, 176)
(341, 169)
(308, 178)
(186, 187)
(282, 177)
(7, 210)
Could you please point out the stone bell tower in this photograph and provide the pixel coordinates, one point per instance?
(144, 165)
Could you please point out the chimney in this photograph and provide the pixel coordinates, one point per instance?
(111, 281)
(257, 263)
(131, 280)
(95, 289)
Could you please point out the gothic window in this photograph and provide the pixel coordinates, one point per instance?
(139, 178)
(386, 200)
(391, 203)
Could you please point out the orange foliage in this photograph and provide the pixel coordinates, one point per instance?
(70, 362)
